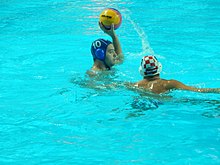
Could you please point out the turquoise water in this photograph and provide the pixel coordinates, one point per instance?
(50, 112)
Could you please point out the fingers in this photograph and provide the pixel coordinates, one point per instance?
(112, 26)
(110, 31)
(102, 27)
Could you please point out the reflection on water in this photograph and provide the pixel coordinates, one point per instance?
(212, 113)
(210, 107)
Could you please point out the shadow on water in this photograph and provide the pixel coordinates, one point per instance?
(207, 107)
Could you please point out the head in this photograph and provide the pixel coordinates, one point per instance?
(104, 51)
(150, 66)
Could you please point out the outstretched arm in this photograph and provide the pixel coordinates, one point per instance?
(174, 84)
(115, 41)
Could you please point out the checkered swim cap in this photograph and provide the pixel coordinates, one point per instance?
(150, 66)
(98, 49)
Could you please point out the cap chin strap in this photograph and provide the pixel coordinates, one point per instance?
(142, 72)
(107, 66)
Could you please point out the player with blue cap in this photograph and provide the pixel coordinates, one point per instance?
(98, 50)
(106, 53)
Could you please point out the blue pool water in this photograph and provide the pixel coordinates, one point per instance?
(51, 113)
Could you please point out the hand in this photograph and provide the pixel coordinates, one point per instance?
(110, 32)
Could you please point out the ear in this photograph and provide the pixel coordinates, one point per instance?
(100, 54)
(141, 71)
(159, 67)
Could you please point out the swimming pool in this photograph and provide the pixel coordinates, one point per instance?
(49, 116)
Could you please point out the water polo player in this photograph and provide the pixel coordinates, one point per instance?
(150, 70)
(106, 53)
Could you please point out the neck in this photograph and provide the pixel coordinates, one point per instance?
(152, 78)
(99, 65)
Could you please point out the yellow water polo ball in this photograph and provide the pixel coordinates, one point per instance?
(109, 16)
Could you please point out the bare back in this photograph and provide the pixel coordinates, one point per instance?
(155, 86)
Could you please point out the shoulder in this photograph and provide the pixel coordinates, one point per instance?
(171, 84)
(95, 70)
(92, 72)
(172, 81)
(174, 84)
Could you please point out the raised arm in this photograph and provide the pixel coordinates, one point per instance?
(174, 84)
(115, 41)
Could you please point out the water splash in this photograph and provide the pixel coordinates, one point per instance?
(146, 49)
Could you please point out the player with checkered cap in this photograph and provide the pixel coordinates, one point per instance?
(150, 66)
(150, 69)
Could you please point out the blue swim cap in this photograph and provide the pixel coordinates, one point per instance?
(98, 49)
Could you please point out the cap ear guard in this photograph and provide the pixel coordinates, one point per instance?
(159, 67)
(100, 54)
(98, 48)
(141, 71)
